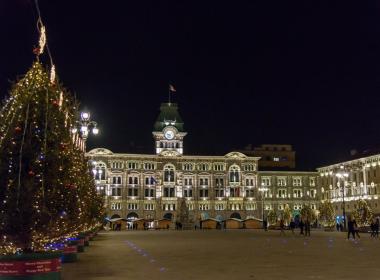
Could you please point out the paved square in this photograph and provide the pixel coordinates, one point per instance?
(231, 254)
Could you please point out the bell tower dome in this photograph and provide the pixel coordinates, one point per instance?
(168, 130)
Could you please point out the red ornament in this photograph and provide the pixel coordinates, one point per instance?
(31, 173)
(36, 51)
(18, 129)
(55, 102)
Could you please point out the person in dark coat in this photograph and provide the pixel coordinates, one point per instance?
(307, 227)
(350, 227)
(282, 226)
(301, 225)
(373, 228)
(292, 225)
(356, 228)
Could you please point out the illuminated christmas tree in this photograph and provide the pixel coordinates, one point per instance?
(46, 191)
(327, 214)
(363, 213)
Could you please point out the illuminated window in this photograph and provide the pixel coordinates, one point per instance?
(169, 173)
(115, 206)
(234, 174)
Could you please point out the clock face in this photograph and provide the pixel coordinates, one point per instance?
(169, 134)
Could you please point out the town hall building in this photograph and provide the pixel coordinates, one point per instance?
(156, 186)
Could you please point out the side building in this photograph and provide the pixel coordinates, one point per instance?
(346, 182)
(292, 188)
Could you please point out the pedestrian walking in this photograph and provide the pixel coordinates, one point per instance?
(265, 225)
(301, 225)
(292, 226)
(356, 228)
(372, 225)
(337, 226)
(282, 227)
(307, 227)
(351, 229)
(377, 225)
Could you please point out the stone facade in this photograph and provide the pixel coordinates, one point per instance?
(221, 187)
(361, 181)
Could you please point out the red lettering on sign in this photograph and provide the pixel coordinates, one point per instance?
(19, 268)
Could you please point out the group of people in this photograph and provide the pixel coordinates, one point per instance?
(352, 228)
(305, 227)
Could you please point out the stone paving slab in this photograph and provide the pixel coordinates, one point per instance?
(231, 254)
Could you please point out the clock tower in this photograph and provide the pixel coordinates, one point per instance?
(168, 130)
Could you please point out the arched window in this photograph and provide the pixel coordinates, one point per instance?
(234, 174)
(99, 171)
(169, 173)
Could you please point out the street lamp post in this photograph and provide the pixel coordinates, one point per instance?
(263, 189)
(342, 174)
(84, 126)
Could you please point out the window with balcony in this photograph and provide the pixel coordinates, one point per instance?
(169, 174)
(116, 180)
(249, 182)
(219, 192)
(149, 193)
(235, 192)
(133, 180)
(99, 171)
(249, 193)
(203, 193)
(169, 191)
(203, 182)
(149, 181)
(219, 182)
(188, 192)
(234, 174)
(115, 191)
(188, 181)
(133, 191)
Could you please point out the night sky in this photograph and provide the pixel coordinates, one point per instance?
(302, 73)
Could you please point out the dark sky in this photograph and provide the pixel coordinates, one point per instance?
(299, 72)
